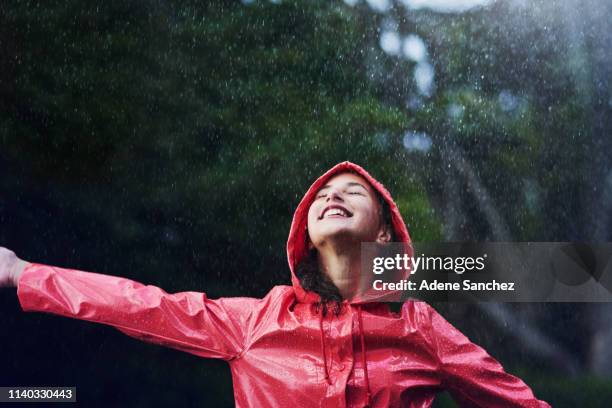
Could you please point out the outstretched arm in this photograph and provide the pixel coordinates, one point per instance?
(471, 375)
(187, 321)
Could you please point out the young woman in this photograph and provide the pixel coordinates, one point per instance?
(310, 344)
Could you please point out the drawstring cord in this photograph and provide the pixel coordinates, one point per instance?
(323, 346)
(363, 356)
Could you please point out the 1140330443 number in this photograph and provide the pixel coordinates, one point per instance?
(49, 394)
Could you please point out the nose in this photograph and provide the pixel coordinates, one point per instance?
(334, 195)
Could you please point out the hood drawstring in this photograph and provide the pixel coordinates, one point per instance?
(363, 352)
(323, 346)
(363, 356)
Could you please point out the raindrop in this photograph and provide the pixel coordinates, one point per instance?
(417, 141)
(380, 6)
(424, 75)
(455, 111)
(507, 101)
(390, 42)
(445, 6)
(414, 103)
(414, 48)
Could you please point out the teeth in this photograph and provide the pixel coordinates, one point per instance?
(335, 211)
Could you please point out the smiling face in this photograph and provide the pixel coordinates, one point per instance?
(346, 208)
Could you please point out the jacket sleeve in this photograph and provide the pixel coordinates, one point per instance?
(473, 377)
(187, 321)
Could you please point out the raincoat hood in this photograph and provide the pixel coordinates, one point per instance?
(297, 247)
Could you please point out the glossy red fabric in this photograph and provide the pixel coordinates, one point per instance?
(281, 350)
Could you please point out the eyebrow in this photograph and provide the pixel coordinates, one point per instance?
(349, 184)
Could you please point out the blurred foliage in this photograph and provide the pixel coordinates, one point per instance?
(198, 124)
(170, 142)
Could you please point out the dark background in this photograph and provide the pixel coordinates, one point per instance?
(170, 142)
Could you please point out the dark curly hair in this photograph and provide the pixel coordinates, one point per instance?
(314, 280)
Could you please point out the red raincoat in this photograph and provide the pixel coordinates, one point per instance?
(281, 351)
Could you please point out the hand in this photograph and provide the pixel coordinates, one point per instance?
(10, 268)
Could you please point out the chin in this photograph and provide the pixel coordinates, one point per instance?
(338, 235)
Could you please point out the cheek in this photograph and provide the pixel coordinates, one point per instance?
(312, 217)
(369, 218)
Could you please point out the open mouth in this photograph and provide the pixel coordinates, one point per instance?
(335, 211)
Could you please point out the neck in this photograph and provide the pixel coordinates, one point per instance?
(343, 267)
